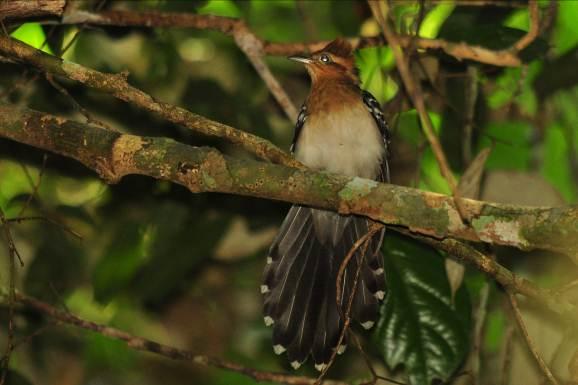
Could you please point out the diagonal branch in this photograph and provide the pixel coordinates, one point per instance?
(146, 345)
(246, 40)
(539, 360)
(416, 96)
(507, 279)
(534, 29)
(252, 47)
(118, 86)
(201, 169)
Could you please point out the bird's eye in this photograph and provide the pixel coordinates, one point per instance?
(324, 58)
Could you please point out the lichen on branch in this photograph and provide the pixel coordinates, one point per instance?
(202, 169)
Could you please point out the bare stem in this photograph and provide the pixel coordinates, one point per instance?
(170, 352)
(522, 327)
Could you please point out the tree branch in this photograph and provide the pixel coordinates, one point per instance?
(252, 47)
(507, 279)
(173, 353)
(534, 29)
(28, 9)
(118, 86)
(113, 155)
(415, 94)
(250, 44)
(531, 346)
(226, 25)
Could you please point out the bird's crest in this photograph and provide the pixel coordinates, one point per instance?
(339, 47)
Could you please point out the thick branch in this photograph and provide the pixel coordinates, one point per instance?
(114, 155)
(28, 9)
(143, 344)
(118, 86)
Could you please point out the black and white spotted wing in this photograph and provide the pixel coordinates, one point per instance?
(375, 109)
(298, 126)
(299, 282)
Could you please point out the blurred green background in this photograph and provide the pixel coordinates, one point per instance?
(184, 269)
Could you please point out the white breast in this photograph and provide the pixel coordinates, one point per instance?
(338, 143)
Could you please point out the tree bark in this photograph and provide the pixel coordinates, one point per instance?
(201, 169)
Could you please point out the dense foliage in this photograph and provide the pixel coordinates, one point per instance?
(184, 269)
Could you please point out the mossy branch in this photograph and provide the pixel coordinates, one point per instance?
(202, 169)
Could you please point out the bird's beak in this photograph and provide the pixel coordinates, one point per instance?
(301, 59)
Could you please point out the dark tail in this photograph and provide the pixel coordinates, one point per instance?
(300, 278)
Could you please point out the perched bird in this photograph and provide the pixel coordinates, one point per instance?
(340, 129)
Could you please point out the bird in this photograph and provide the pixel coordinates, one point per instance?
(340, 129)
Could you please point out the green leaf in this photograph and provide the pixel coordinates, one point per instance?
(220, 8)
(433, 21)
(374, 64)
(116, 269)
(431, 178)
(511, 141)
(105, 352)
(420, 327)
(33, 35)
(556, 166)
(13, 182)
(495, 330)
(565, 36)
(514, 86)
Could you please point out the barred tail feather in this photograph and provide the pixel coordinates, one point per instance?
(299, 286)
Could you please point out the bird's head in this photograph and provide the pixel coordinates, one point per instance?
(333, 61)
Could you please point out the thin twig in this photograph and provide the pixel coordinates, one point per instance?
(478, 333)
(376, 377)
(522, 327)
(507, 353)
(173, 353)
(308, 23)
(362, 242)
(12, 254)
(415, 93)
(466, 253)
(83, 111)
(346, 316)
(534, 29)
(46, 219)
(471, 98)
(375, 227)
(35, 186)
(568, 286)
(252, 47)
(226, 25)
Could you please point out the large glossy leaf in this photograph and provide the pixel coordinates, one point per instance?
(421, 329)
